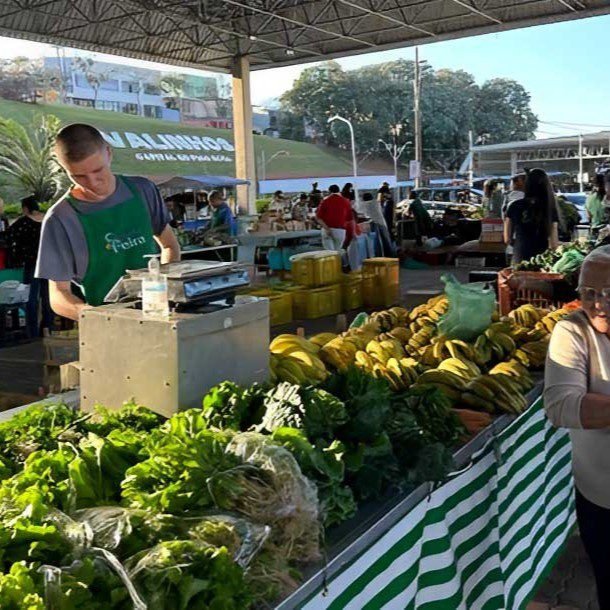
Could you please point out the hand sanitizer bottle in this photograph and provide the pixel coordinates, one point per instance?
(155, 303)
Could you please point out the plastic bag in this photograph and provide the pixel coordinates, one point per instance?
(570, 262)
(284, 498)
(471, 307)
(127, 531)
(360, 320)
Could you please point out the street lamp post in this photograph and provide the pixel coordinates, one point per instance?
(266, 162)
(336, 117)
(395, 152)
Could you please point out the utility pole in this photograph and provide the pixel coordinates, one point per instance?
(471, 163)
(417, 122)
(337, 117)
(580, 163)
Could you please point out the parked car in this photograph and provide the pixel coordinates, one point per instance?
(437, 199)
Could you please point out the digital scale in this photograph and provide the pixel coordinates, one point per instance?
(169, 363)
(189, 283)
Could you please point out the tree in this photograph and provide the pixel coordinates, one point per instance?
(28, 159)
(95, 78)
(25, 80)
(173, 86)
(378, 99)
(503, 111)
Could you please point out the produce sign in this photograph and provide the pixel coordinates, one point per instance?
(220, 506)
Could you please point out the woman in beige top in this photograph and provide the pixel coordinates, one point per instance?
(577, 396)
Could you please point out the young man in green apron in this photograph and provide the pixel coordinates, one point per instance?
(104, 225)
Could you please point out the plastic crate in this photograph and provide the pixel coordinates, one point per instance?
(351, 291)
(314, 269)
(317, 302)
(280, 305)
(546, 290)
(380, 282)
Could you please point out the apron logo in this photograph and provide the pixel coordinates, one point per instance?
(117, 243)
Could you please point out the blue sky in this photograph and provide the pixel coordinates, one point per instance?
(563, 66)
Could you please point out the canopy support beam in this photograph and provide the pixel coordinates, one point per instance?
(242, 133)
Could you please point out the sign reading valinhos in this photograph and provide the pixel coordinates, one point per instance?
(156, 144)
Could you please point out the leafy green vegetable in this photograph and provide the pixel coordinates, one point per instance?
(367, 401)
(37, 427)
(313, 410)
(18, 591)
(183, 574)
(228, 405)
(130, 417)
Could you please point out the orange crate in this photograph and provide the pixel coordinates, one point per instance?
(546, 290)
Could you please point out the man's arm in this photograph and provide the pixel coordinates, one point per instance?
(508, 231)
(63, 302)
(170, 248)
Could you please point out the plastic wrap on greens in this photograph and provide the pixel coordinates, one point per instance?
(127, 531)
(285, 499)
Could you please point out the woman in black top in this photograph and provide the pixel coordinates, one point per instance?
(531, 223)
(24, 241)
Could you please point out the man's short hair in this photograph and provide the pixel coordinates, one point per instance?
(78, 141)
(367, 197)
(334, 188)
(214, 195)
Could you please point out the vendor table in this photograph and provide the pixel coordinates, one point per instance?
(224, 253)
(484, 539)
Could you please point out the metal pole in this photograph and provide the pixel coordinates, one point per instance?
(336, 117)
(471, 164)
(417, 122)
(396, 189)
(580, 163)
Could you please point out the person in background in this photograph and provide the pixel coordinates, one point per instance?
(334, 214)
(423, 222)
(23, 238)
(300, 208)
(278, 203)
(577, 397)
(531, 224)
(596, 210)
(372, 209)
(4, 223)
(202, 200)
(387, 206)
(493, 200)
(348, 192)
(516, 192)
(222, 217)
(315, 196)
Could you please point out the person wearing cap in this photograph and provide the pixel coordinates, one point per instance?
(577, 397)
(102, 226)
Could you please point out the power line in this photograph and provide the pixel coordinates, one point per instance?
(570, 125)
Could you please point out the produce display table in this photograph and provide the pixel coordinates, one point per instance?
(249, 242)
(484, 539)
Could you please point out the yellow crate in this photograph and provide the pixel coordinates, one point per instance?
(317, 302)
(280, 305)
(380, 282)
(313, 269)
(351, 291)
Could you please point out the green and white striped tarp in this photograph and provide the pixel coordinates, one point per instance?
(481, 541)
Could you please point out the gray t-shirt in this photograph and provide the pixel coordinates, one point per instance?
(63, 254)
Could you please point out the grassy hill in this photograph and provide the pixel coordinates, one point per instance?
(303, 159)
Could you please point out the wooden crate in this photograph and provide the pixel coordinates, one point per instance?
(546, 290)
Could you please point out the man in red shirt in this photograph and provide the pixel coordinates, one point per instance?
(335, 212)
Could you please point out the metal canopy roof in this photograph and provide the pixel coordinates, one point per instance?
(211, 33)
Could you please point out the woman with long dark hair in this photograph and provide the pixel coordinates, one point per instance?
(531, 223)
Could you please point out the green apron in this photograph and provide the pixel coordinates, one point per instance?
(118, 238)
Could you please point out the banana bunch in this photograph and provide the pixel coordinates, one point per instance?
(284, 344)
(389, 319)
(359, 336)
(400, 333)
(527, 315)
(501, 343)
(448, 382)
(522, 334)
(399, 373)
(466, 369)
(382, 351)
(516, 371)
(298, 367)
(436, 306)
(461, 350)
(322, 339)
(547, 323)
(421, 338)
(533, 354)
(338, 353)
(494, 392)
